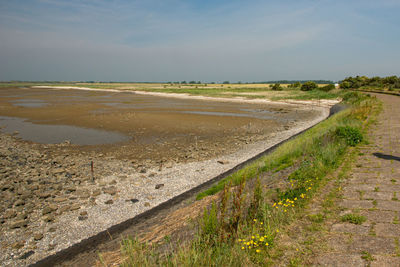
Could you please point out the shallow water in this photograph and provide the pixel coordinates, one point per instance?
(101, 117)
(54, 134)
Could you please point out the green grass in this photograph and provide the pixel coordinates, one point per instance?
(243, 229)
(353, 218)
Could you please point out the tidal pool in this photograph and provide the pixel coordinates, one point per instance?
(54, 134)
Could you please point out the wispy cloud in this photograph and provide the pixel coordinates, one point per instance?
(201, 40)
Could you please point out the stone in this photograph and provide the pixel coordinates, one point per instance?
(110, 201)
(18, 244)
(75, 206)
(143, 170)
(52, 229)
(223, 162)
(37, 236)
(48, 218)
(147, 204)
(19, 202)
(48, 209)
(158, 186)
(60, 199)
(19, 224)
(83, 213)
(27, 254)
(112, 190)
(43, 194)
(96, 192)
(64, 208)
(82, 218)
(134, 200)
(10, 214)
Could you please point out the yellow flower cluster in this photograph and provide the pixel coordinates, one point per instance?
(255, 242)
(285, 204)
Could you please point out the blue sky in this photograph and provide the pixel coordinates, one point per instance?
(174, 40)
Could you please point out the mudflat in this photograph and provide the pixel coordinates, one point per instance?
(145, 149)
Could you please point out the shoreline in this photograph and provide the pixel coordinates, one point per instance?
(175, 180)
(319, 103)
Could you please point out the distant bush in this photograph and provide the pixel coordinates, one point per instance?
(308, 86)
(364, 81)
(351, 135)
(277, 87)
(327, 88)
(226, 82)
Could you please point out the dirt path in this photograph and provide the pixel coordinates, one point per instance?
(373, 191)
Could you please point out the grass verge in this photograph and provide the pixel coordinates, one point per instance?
(242, 228)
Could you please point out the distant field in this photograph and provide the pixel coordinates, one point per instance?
(216, 90)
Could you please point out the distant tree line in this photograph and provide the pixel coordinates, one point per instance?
(390, 82)
(299, 81)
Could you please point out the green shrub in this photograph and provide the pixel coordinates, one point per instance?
(308, 86)
(351, 135)
(327, 87)
(277, 87)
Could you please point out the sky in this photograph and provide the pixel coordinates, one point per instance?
(201, 40)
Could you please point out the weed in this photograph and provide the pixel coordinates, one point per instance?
(396, 220)
(351, 135)
(375, 203)
(393, 181)
(376, 189)
(365, 255)
(353, 218)
(394, 198)
(317, 218)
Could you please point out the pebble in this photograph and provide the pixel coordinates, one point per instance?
(110, 201)
(37, 236)
(158, 186)
(19, 224)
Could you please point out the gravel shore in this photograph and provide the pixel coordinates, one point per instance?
(48, 204)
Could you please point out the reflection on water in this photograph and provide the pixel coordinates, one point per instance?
(29, 103)
(53, 134)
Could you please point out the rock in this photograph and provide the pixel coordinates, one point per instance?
(168, 165)
(112, 190)
(49, 209)
(21, 216)
(60, 199)
(51, 247)
(52, 229)
(37, 236)
(113, 182)
(18, 244)
(9, 214)
(48, 218)
(223, 162)
(134, 200)
(147, 204)
(110, 201)
(64, 208)
(75, 206)
(19, 224)
(83, 213)
(27, 255)
(19, 202)
(143, 170)
(96, 192)
(82, 218)
(158, 186)
(41, 194)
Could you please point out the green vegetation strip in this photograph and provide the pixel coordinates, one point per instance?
(243, 226)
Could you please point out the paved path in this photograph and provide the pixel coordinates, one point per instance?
(373, 191)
